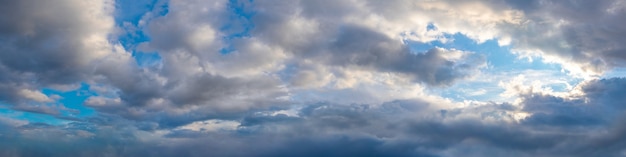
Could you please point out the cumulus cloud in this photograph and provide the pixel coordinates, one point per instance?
(205, 71)
(306, 78)
(50, 45)
(584, 35)
(557, 127)
(599, 104)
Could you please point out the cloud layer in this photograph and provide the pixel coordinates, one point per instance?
(305, 78)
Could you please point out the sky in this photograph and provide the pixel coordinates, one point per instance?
(256, 78)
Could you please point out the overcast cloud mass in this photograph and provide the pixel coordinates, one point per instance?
(409, 78)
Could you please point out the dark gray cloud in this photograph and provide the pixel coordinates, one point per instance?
(316, 35)
(49, 44)
(36, 40)
(397, 128)
(361, 47)
(196, 80)
(600, 106)
(173, 101)
(45, 45)
(417, 128)
(588, 33)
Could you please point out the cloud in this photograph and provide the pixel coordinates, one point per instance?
(362, 48)
(197, 77)
(596, 106)
(397, 128)
(306, 78)
(50, 44)
(329, 41)
(583, 35)
(34, 95)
